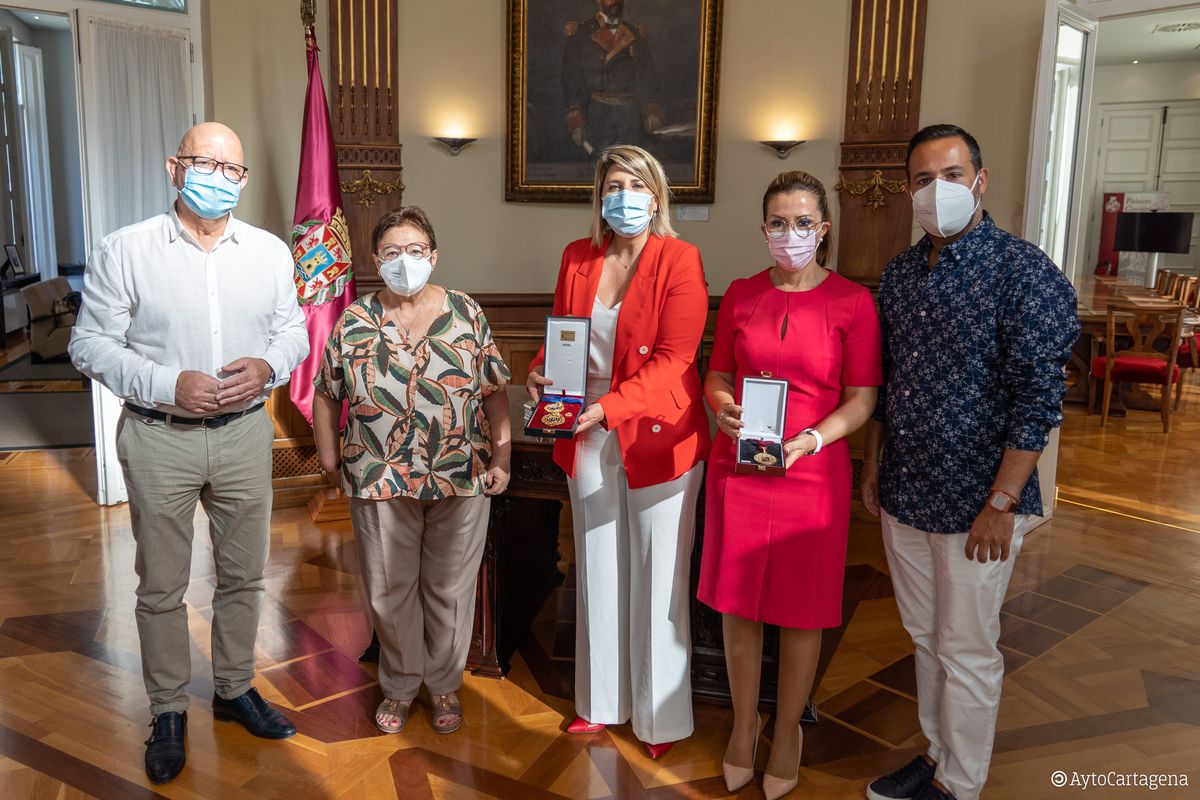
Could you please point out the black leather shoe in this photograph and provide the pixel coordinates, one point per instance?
(259, 717)
(165, 755)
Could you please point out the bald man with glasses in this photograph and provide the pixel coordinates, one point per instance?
(191, 318)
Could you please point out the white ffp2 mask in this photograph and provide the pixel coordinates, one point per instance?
(406, 275)
(944, 208)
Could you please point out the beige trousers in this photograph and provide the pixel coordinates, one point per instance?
(419, 561)
(950, 606)
(168, 468)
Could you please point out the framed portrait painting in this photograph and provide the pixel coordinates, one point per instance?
(586, 74)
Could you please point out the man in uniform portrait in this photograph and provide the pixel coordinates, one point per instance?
(609, 81)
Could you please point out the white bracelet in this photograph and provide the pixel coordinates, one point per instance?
(816, 435)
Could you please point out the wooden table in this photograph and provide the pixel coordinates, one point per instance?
(1093, 324)
(520, 558)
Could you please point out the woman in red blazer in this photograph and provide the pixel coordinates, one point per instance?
(633, 466)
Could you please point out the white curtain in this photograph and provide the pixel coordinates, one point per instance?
(143, 106)
(137, 105)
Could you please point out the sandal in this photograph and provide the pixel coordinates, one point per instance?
(447, 707)
(393, 708)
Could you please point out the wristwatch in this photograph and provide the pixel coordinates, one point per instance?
(271, 380)
(1001, 501)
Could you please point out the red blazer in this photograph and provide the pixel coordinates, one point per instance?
(656, 404)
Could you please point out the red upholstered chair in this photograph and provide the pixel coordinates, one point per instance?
(1188, 295)
(1140, 362)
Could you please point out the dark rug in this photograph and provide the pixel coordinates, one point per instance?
(46, 419)
(22, 370)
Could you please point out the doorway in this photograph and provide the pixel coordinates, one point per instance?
(1116, 110)
(1146, 113)
(41, 182)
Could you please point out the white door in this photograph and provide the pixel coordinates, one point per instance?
(40, 247)
(1128, 162)
(1057, 145)
(136, 84)
(1058, 137)
(1179, 174)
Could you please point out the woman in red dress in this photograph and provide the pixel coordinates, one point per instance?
(775, 547)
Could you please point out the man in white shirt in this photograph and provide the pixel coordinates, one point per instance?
(191, 318)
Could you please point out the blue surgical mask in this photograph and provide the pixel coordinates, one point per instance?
(627, 212)
(210, 196)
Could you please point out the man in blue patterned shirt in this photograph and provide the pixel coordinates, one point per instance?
(977, 329)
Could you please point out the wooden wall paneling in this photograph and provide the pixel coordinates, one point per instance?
(364, 106)
(883, 99)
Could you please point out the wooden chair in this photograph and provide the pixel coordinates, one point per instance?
(1140, 362)
(1188, 296)
(1184, 291)
(1162, 281)
(1173, 285)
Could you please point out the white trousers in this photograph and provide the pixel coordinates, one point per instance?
(633, 550)
(951, 607)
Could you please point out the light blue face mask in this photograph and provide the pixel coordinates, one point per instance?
(627, 212)
(211, 196)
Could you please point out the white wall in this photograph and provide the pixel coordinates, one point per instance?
(1158, 82)
(980, 68)
(62, 121)
(1147, 83)
(20, 30)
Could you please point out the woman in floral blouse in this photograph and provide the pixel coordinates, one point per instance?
(427, 443)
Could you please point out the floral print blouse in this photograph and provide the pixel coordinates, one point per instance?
(416, 426)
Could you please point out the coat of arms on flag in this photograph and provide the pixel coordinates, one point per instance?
(322, 254)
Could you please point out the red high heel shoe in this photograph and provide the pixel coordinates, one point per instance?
(581, 725)
(657, 751)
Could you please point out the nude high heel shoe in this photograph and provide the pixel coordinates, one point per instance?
(775, 788)
(737, 777)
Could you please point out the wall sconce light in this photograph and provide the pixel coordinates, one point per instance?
(454, 145)
(782, 148)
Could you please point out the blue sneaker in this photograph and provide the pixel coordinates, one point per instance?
(905, 783)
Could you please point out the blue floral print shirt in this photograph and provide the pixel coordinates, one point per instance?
(974, 352)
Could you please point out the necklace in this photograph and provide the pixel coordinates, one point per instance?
(394, 315)
(626, 264)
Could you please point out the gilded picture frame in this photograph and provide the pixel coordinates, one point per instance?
(584, 74)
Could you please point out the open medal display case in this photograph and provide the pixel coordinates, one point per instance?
(764, 410)
(557, 412)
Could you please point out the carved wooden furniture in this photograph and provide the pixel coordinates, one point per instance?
(883, 99)
(520, 558)
(1140, 326)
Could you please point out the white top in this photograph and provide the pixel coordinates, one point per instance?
(600, 349)
(155, 304)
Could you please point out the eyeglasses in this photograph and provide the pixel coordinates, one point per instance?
(778, 228)
(234, 173)
(413, 249)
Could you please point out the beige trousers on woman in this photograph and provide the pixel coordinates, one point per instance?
(419, 560)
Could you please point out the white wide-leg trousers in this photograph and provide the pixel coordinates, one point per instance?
(951, 608)
(632, 561)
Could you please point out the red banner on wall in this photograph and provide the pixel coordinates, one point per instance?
(1106, 259)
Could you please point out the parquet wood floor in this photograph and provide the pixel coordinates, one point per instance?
(1101, 640)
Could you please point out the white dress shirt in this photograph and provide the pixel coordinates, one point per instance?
(155, 303)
